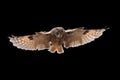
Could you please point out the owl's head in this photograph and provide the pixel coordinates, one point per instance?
(57, 31)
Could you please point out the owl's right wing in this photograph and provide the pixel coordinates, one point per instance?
(38, 41)
(80, 36)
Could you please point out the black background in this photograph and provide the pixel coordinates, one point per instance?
(23, 21)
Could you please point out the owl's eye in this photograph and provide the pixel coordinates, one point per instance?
(59, 34)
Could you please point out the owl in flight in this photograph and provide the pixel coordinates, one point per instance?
(55, 39)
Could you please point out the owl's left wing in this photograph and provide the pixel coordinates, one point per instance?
(80, 36)
(38, 41)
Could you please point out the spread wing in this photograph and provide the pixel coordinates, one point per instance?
(80, 36)
(37, 41)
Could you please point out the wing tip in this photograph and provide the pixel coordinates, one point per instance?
(106, 27)
(12, 36)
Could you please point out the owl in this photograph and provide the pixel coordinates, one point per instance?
(57, 38)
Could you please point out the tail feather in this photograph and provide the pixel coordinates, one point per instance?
(57, 48)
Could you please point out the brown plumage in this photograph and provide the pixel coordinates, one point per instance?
(56, 38)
